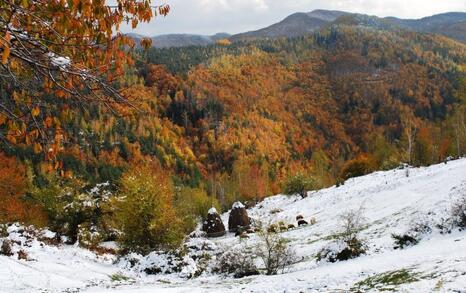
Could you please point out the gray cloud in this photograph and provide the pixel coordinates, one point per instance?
(233, 16)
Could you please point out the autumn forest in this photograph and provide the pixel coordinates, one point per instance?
(206, 126)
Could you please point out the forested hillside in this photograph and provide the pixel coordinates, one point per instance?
(232, 122)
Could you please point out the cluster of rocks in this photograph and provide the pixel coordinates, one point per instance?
(238, 222)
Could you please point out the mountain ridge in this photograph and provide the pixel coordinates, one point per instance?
(182, 40)
(449, 24)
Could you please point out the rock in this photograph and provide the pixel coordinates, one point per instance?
(213, 225)
(238, 218)
(302, 222)
(291, 226)
(299, 217)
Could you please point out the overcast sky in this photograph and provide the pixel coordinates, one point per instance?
(233, 16)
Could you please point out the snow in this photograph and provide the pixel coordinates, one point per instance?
(392, 203)
(212, 211)
(59, 61)
(237, 205)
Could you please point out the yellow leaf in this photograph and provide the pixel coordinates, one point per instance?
(37, 148)
(35, 111)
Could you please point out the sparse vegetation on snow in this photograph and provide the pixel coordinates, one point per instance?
(418, 206)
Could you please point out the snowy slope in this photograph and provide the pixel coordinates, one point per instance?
(392, 203)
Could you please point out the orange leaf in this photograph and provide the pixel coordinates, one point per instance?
(48, 122)
(6, 54)
(2, 119)
(37, 148)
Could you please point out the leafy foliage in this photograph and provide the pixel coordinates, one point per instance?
(359, 166)
(299, 184)
(144, 211)
(72, 51)
(15, 206)
(193, 204)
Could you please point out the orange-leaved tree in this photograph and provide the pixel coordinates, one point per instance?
(13, 185)
(62, 54)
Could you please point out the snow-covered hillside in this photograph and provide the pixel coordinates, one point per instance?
(391, 201)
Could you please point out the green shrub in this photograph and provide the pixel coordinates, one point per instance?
(68, 205)
(299, 184)
(56, 197)
(89, 236)
(144, 212)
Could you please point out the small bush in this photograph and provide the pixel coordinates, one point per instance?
(351, 222)
(418, 228)
(458, 212)
(347, 244)
(299, 184)
(405, 240)
(70, 204)
(144, 211)
(342, 250)
(359, 166)
(89, 236)
(274, 252)
(238, 262)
